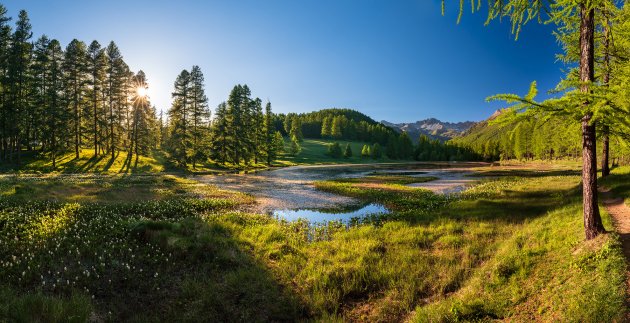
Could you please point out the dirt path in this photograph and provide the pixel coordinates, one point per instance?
(620, 214)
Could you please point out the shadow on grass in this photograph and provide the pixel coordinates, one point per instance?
(167, 267)
(525, 173)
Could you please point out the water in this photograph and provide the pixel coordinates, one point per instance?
(322, 216)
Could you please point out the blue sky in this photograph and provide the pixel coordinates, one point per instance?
(394, 60)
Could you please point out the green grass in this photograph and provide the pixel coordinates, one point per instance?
(510, 249)
(314, 152)
(33, 162)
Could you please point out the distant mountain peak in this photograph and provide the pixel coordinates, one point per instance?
(432, 127)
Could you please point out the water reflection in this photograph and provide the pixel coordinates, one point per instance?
(322, 216)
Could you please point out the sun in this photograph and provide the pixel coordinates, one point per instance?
(141, 91)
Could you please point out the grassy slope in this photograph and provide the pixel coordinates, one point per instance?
(313, 152)
(87, 163)
(511, 249)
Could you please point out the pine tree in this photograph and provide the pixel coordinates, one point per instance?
(296, 129)
(347, 152)
(40, 82)
(334, 150)
(221, 135)
(5, 51)
(405, 146)
(335, 131)
(17, 80)
(199, 115)
(57, 114)
(179, 118)
(326, 127)
(295, 146)
(115, 91)
(143, 118)
(365, 152)
(74, 67)
(278, 142)
(375, 151)
(271, 148)
(96, 63)
(580, 103)
(258, 130)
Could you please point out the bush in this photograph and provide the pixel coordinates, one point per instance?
(347, 153)
(365, 152)
(334, 150)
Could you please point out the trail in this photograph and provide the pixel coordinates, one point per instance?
(620, 214)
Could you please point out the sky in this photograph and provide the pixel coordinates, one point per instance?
(399, 61)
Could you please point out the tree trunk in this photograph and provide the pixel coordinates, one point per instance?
(605, 151)
(592, 219)
(606, 80)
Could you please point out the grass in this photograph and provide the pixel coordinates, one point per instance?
(34, 162)
(314, 152)
(509, 248)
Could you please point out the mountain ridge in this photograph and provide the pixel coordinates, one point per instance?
(433, 128)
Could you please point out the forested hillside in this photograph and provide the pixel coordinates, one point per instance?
(536, 138)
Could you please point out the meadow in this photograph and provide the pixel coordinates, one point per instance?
(165, 248)
(314, 152)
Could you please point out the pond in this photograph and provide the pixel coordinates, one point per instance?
(289, 192)
(323, 216)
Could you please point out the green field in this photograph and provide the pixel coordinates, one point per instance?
(314, 152)
(165, 248)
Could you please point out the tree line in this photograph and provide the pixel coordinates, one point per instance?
(54, 99)
(240, 132)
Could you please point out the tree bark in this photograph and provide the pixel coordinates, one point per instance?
(592, 219)
(606, 80)
(605, 151)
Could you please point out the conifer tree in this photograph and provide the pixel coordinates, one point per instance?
(199, 115)
(326, 127)
(75, 84)
(57, 114)
(17, 80)
(220, 135)
(365, 152)
(295, 146)
(115, 82)
(271, 148)
(96, 64)
(580, 104)
(375, 151)
(5, 51)
(335, 131)
(179, 118)
(347, 152)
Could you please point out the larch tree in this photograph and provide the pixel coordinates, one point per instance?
(271, 148)
(40, 82)
(17, 79)
(115, 74)
(57, 114)
(95, 67)
(179, 117)
(579, 103)
(199, 115)
(5, 43)
(75, 76)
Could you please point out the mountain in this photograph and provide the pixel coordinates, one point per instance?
(433, 128)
